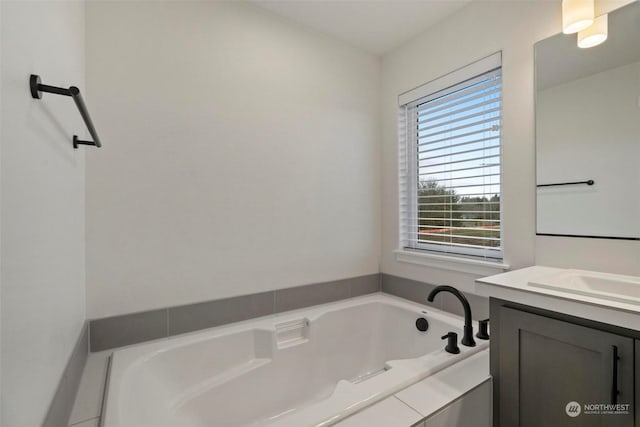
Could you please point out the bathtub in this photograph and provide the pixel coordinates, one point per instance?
(309, 367)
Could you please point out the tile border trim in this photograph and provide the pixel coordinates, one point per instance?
(65, 395)
(116, 331)
(417, 291)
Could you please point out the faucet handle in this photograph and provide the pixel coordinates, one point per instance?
(483, 332)
(452, 343)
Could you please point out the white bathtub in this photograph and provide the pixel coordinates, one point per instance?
(309, 367)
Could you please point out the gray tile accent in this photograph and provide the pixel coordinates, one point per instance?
(479, 305)
(133, 328)
(409, 289)
(65, 395)
(364, 285)
(418, 292)
(127, 329)
(88, 404)
(204, 315)
(305, 296)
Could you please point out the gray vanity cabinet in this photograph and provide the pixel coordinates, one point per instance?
(545, 363)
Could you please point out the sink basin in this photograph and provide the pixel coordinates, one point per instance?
(612, 287)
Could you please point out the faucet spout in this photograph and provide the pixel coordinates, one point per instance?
(467, 338)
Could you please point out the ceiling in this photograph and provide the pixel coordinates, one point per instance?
(376, 26)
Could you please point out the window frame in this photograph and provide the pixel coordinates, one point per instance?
(408, 161)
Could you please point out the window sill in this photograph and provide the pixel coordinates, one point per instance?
(445, 262)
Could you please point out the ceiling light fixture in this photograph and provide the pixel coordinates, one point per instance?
(577, 15)
(595, 34)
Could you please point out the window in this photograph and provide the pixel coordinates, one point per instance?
(450, 163)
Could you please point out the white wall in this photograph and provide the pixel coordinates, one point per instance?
(476, 31)
(588, 128)
(42, 215)
(241, 154)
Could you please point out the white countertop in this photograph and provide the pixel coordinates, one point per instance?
(513, 286)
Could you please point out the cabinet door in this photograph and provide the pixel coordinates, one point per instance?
(546, 363)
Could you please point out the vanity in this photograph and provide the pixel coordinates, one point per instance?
(552, 346)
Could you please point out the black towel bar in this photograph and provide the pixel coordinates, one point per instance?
(36, 92)
(589, 182)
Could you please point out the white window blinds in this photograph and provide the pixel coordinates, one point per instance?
(450, 168)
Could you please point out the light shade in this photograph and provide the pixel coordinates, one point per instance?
(595, 34)
(577, 15)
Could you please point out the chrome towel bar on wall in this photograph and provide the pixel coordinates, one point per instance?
(589, 182)
(36, 92)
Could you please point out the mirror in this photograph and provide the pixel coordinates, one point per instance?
(588, 132)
